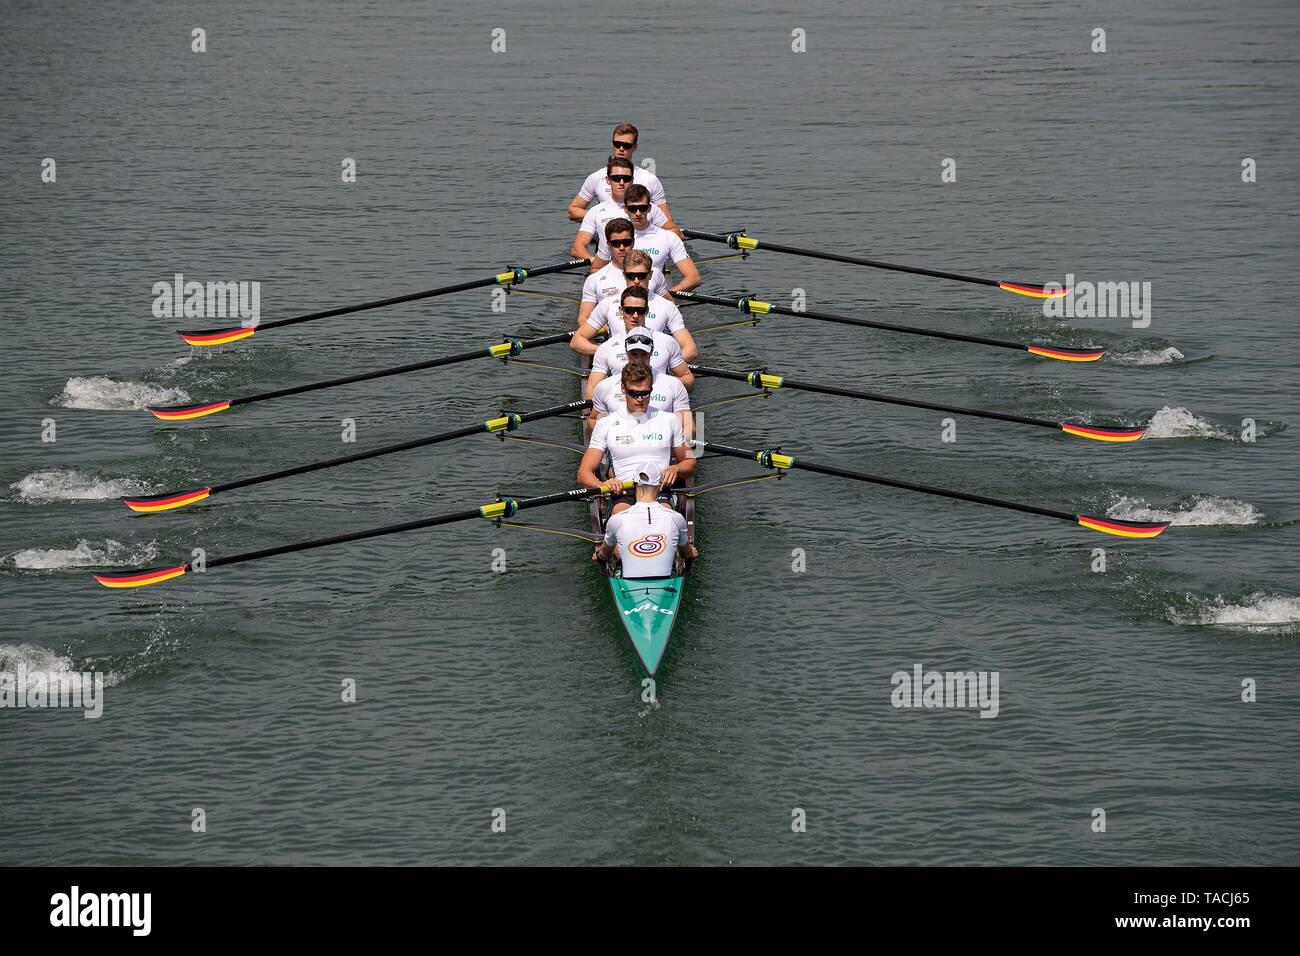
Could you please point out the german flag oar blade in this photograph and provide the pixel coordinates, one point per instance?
(166, 501)
(1123, 529)
(1097, 433)
(1033, 291)
(138, 579)
(184, 413)
(1065, 354)
(217, 336)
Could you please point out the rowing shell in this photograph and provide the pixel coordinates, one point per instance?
(648, 608)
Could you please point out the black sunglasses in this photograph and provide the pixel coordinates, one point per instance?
(620, 243)
(640, 393)
(618, 145)
(634, 309)
(619, 178)
(638, 207)
(636, 276)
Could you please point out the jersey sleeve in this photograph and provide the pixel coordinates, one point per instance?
(600, 361)
(588, 190)
(674, 321)
(679, 400)
(683, 533)
(658, 285)
(590, 289)
(589, 221)
(679, 436)
(675, 357)
(656, 190)
(657, 217)
(597, 319)
(600, 435)
(600, 398)
(676, 248)
(611, 530)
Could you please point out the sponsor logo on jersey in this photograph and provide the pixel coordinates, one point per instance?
(648, 545)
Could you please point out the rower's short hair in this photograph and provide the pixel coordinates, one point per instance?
(638, 257)
(618, 225)
(635, 372)
(614, 161)
(636, 193)
(634, 292)
(625, 128)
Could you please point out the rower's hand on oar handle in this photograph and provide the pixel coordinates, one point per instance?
(614, 486)
(670, 476)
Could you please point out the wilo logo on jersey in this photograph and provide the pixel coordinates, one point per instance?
(191, 299)
(23, 688)
(1100, 300)
(103, 909)
(957, 690)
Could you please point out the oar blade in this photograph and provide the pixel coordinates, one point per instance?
(167, 501)
(1121, 528)
(216, 336)
(1033, 291)
(1065, 354)
(139, 579)
(184, 413)
(1097, 433)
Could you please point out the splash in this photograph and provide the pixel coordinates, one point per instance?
(35, 658)
(84, 555)
(1178, 422)
(1165, 356)
(100, 393)
(1257, 613)
(1198, 511)
(44, 487)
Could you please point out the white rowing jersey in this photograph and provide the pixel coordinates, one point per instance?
(633, 441)
(611, 356)
(647, 537)
(660, 245)
(610, 280)
(662, 316)
(667, 393)
(598, 216)
(595, 189)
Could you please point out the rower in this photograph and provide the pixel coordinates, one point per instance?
(614, 278)
(611, 355)
(634, 438)
(623, 145)
(662, 315)
(619, 177)
(662, 245)
(649, 535)
(667, 393)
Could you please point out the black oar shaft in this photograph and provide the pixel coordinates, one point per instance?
(794, 462)
(554, 498)
(784, 382)
(743, 304)
(836, 257)
(401, 446)
(413, 296)
(482, 352)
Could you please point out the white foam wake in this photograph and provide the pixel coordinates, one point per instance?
(100, 393)
(1202, 510)
(44, 487)
(35, 658)
(85, 555)
(1178, 422)
(1165, 356)
(1259, 612)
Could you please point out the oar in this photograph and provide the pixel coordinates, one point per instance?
(512, 276)
(504, 350)
(751, 306)
(509, 421)
(772, 459)
(738, 240)
(496, 511)
(761, 379)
